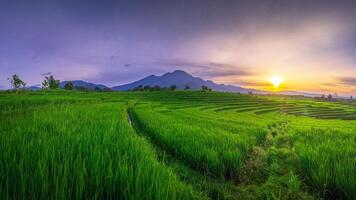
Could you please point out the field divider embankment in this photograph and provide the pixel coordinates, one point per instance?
(274, 167)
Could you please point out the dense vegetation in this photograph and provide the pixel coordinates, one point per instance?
(175, 145)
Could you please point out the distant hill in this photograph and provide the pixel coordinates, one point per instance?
(84, 84)
(181, 79)
(34, 87)
(76, 83)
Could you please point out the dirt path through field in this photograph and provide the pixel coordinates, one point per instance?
(272, 169)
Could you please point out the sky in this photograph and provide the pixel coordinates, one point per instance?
(310, 44)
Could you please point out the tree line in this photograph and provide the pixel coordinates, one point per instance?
(159, 88)
(329, 98)
(49, 82)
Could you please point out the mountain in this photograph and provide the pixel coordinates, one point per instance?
(84, 84)
(34, 87)
(181, 79)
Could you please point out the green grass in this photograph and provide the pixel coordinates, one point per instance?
(328, 158)
(203, 144)
(75, 152)
(175, 145)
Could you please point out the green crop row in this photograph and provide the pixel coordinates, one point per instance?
(82, 152)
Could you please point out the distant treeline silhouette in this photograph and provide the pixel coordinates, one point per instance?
(50, 83)
(159, 88)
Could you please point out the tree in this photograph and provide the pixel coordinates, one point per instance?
(107, 90)
(81, 88)
(50, 83)
(173, 87)
(147, 88)
(330, 97)
(69, 85)
(205, 88)
(97, 89)
(45, 84)
(156, 88)
(138, 88)
(16, 82)
(186, 87)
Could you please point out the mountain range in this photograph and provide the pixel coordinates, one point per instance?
(179, 78)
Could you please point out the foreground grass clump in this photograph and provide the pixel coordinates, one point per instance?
(74, 152)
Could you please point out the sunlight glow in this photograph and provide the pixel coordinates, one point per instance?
(276, 81)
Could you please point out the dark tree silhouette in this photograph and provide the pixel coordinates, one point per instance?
(97, 89)
(186, 87)
(16, 82)
(69, 85)
(147, 88)
(330, 97)
(173, 87)
(107, 90)
(205, 88)
(50, 83)
(138, 88)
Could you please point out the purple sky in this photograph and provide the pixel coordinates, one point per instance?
(310, 43)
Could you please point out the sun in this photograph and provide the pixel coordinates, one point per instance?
(276, 81)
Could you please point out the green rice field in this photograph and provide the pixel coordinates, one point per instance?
(175, 145)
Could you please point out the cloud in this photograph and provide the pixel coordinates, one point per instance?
(210, 69)
(122, 76)
(253, 84)
(348, 81)
(46, 74)
(215, 70)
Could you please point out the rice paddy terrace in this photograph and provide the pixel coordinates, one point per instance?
(175, 145)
